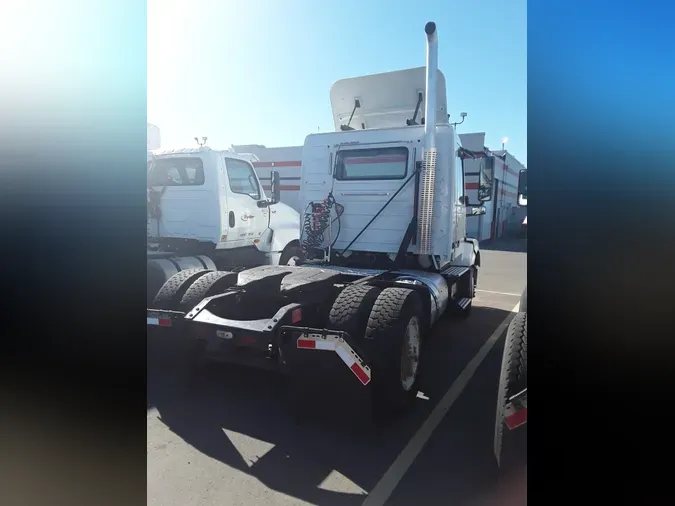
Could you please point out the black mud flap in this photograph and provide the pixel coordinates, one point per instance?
(164, 331)
(328, 373)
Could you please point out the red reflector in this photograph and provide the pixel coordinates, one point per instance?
(516, 419)
(165, 322)
(306, 343)
(247, 340)
(296, 315)
(360, 373)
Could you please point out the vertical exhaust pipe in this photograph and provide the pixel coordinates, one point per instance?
(428, 179)
(430, 91)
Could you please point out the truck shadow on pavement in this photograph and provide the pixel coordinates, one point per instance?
(218, 410)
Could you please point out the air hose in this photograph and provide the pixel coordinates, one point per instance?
(316, 220)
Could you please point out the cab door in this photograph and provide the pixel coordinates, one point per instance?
(245, 219)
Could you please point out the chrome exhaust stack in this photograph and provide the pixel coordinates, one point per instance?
(428, 176)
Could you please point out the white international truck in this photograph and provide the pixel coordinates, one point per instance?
(207, 209)
(510, 440)
(384, 252)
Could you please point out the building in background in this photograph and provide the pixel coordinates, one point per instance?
(502, 213)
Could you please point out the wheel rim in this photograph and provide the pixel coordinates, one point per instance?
(410, 358)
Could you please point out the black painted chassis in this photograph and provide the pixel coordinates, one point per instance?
(271, 342)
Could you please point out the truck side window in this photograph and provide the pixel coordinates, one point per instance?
(372, 164)
(242, 178)
(187, 171)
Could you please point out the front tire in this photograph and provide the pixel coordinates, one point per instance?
(291, 252)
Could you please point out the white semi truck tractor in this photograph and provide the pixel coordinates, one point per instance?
(383, 249)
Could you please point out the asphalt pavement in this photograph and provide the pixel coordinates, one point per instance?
(227, 436)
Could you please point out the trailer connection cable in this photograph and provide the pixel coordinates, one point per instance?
(317, 221)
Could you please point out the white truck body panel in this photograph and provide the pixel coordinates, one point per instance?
(216, 202)
(362, 199)
(387, 99)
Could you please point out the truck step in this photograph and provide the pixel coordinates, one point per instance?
(463, 302)
(454, 271)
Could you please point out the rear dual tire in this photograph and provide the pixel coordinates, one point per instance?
(387, 324)
(182, 292)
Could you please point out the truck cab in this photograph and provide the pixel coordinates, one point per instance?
(373, 164)
(213, 198)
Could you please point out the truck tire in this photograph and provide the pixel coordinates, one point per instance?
(211, 283)
(171, 293)
(393, 337)
(161, 269)
(351, 309)
(510, 446)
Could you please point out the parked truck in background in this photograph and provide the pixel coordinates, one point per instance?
(383, 249)
(510, 441)
(207, 209)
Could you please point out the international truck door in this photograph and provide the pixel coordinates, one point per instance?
(246, 220)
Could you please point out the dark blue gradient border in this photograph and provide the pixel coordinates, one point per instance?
(601, 136)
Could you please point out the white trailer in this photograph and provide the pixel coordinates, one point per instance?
(384, 251)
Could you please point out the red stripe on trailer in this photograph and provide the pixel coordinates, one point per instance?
(308, 344)
(516, 419)
(360, 373)
(287, 163)
(471, 186)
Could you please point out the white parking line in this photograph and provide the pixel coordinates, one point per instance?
(499, 293)
(381, 492)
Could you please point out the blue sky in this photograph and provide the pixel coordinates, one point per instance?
(260, 71)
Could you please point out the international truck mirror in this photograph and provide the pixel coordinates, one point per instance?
(486, 172)
(276, 187)
(522, 188)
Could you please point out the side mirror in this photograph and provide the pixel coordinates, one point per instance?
(522, 188)
(276, 187)
(485, 179)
